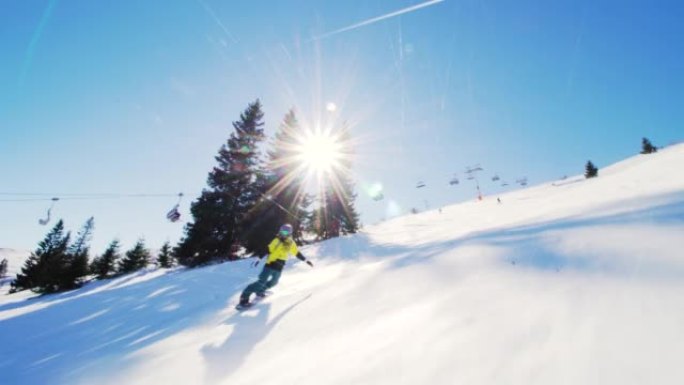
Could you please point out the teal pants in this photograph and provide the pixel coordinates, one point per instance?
(267, 279)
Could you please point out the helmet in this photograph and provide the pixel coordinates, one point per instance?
(285, 230)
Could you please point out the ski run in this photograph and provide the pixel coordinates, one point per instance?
(575, 281)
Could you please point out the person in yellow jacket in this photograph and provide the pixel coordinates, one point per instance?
(279, 251)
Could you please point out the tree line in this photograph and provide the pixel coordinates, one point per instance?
(62, 263)
(250, 193)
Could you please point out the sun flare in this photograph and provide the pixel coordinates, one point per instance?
(320, 153)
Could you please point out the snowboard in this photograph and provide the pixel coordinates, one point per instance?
(256, 300)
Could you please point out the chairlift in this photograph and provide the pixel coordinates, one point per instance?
(453, 181)
(378, 197)
(420, 185)
(522, 181)
(173, 215)
(470, 177)
(495, 178)
(45, 221)
(504, 184)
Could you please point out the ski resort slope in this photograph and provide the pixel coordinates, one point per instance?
(571, 282)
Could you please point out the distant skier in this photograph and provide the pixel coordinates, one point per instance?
(279, 251)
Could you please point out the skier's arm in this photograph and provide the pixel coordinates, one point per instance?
(301, 257)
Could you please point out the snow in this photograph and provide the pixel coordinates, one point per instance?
(15, 260)
(572, 282)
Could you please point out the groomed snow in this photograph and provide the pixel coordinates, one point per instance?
(571, 282)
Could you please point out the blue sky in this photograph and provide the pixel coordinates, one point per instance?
(136, 97)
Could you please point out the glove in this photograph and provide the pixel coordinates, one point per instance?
(309, 263)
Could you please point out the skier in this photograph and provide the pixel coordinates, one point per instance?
(279, 250)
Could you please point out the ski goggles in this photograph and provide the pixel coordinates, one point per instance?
(284, 233)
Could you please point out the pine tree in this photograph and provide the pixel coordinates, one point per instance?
(647, 147)
(105, 265)
(336, 214)
(136, 258)
(3, 268)
(165, 257)
(77, 256)
(44, 269)
(219, 211)
(281, 186)
(590, 171)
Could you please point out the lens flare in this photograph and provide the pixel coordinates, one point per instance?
(320, 153)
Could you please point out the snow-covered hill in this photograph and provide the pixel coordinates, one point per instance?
(15, 260)
(571, 282)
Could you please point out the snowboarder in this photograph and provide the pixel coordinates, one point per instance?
(279, 250)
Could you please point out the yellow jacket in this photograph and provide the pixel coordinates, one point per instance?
(281, 250)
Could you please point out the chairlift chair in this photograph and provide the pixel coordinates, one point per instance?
(45, 221)
(174, 215)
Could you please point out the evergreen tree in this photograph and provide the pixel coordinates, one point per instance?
(45, 267)
(105, 265)
(647, 147)
(165, 257)
(3, 268)
(281, 187)
(590, 170)
(77, 256)
(336, 214)
(136, 258)
(219, 211)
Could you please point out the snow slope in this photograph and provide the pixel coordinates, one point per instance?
(572, 282)
(15, 260)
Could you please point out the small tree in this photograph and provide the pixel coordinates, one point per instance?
(647, 147)
(43, 271)
(77, 256)
(165, 258)
(3, 268)
(590, 170)
(136, 258)
(105, 265)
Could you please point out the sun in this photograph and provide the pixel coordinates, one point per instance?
(320, 153)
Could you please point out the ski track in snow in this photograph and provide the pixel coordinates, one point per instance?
(574, 283)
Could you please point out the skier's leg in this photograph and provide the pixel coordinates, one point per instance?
(272, 274)
(257, 286)
(275, 276)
